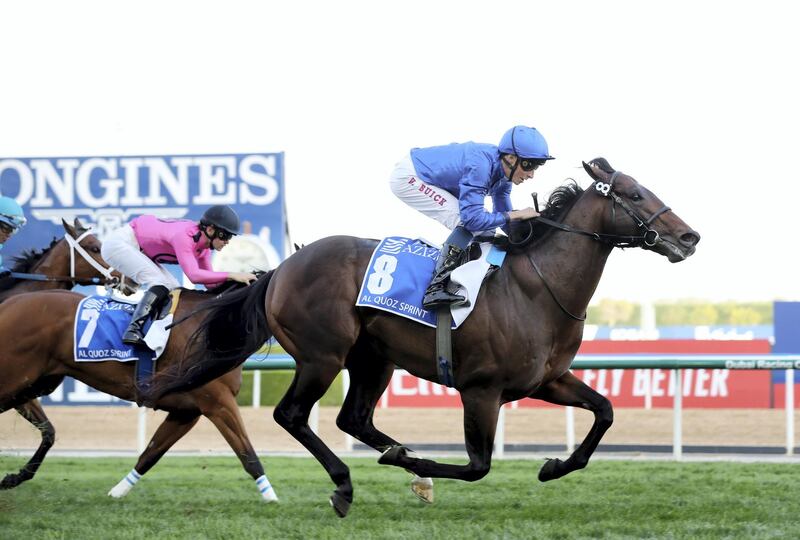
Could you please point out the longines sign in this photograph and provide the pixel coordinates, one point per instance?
(105, 192)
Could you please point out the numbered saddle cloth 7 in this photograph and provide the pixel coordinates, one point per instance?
(100, 322)
(400, 270)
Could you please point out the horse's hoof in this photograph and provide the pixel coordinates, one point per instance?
(340, 504)
(552, 469)
(11, 481)
(393, 455)
(422, 488)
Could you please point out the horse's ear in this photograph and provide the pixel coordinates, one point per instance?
(68, 228)
(79, 227)
(599, 169)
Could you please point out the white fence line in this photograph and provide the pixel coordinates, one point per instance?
(674, 361)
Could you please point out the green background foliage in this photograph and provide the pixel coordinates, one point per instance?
(681, 313)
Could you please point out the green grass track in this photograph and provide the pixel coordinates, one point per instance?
(193, 497)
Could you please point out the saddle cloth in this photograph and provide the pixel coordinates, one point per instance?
(401, 269)
(100, 322)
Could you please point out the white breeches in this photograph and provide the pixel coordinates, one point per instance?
(432, 201)
(121, 250)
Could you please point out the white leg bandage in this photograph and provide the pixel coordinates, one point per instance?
(125, 485)
(266, 490)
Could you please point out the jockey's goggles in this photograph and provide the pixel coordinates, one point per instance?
(529, 165)
(223, 235)
(6, 228)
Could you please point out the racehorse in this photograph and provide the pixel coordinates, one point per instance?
(73, 260)
(36, 353)
(518, 342)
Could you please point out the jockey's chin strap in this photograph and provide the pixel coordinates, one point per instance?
(75, 246)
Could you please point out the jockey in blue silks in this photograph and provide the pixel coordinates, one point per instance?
(12, 218)
(449, 183)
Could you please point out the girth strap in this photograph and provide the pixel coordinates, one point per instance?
(444, 347)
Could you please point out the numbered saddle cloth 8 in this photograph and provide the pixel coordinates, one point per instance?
(400, 270)
(100, 322)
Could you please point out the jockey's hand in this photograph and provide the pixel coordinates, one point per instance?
(242, 277)
(525, 213)
(4, 273)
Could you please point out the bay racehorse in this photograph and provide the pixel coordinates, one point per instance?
(518, 342)
(36, 353)
(73, 260)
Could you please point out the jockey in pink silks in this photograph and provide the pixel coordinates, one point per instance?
(139, 248)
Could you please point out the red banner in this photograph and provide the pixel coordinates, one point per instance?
(701, 388)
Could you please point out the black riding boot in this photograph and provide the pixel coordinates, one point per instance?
(149, 303)
(437, 295)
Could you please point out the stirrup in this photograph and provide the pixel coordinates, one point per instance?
(133, 336)
(440, 298)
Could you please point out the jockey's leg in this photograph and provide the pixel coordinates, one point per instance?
(150, 302)
(450, 258)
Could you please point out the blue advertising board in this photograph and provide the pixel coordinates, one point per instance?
(105, 192)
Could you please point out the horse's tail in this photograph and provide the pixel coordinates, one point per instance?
(234, 328)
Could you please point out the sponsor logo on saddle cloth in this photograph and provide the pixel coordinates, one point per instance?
(100, 322)
(401, 269)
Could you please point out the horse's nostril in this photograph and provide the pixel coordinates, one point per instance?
(690, 238)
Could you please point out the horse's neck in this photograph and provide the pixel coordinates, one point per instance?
(55, 262)
(572, 264)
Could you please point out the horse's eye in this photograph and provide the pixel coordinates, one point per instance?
(95, 249)
(636, 197)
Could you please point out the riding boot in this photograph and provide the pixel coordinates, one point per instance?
(150, 302)
(437, 295)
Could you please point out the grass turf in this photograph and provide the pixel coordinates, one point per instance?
(213, 498)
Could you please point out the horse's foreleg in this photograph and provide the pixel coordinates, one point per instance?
(481, 408)
(368, 380)
(225, 415)
(309, 384)
(174, 426)
(32, 412)
(568, 390)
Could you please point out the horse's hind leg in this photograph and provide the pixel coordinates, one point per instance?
(481, 408)
(369, 378)
(32, 412)
(223, 411)
(568, 390)
(175, 425)
(308, 386)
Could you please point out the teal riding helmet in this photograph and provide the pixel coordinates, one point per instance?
(11, 213)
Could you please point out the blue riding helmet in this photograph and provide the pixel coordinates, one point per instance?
(11, 213)
(524, 142)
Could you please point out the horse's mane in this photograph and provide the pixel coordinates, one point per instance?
(24, 263)
(561, 200)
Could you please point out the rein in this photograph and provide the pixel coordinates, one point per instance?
(649, 238)
(61, 279)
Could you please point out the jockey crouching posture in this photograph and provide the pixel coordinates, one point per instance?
(137, 248)
(12, 218)
(449, 183)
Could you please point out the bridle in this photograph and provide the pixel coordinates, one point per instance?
(108, 280)
(75, 246)
(649, 237)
